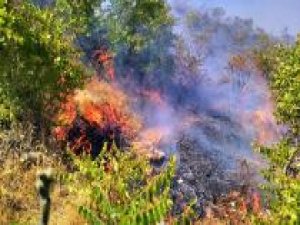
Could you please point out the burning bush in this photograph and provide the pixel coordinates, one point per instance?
(96, 114)
(104, 63)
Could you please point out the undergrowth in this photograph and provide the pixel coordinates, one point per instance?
(122, 188)
(22, 156)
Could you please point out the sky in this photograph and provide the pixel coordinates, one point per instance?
(271, 15)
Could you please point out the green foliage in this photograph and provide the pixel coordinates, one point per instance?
(38, 59)
(285, 82)
(77, 15)
(282, 193)
(133, 24)
(127, 193)
(282, 62)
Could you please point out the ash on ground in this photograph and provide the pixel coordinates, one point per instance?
(202, 177)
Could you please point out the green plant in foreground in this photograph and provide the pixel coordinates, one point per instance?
(122, 188)
(283, 190)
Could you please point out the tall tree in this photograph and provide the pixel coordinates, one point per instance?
(133, 23)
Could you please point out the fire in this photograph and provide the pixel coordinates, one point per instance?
(69, 111)
(104, 58)
(236, 205)
(99, 108)
(100, 113)
(256, 202)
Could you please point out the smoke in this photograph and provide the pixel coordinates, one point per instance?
(191, 81)
(224, 109)
(194, 91)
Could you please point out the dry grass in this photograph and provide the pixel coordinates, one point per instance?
(19, 201)
(21, 157)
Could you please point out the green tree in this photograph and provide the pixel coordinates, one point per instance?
(138, 32)
(133, 23)
(38, 60)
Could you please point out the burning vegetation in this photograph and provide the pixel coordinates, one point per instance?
(200, 94)
(97, 114)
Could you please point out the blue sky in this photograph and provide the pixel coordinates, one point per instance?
(271, 15)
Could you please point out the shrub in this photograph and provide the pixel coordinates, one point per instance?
(283, 191)
(122, 188)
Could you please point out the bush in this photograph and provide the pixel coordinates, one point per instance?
(283, 190)
(122, 188)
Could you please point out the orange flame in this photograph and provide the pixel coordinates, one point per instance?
(105, 58)
(256, 202)
(100, 104)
